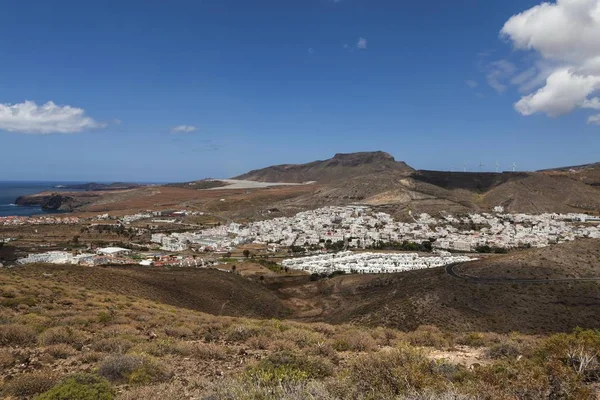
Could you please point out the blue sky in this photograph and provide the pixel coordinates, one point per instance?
(256, 83)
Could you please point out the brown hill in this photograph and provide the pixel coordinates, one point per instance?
(407, 300)
(211, 291)
(340, 167)
(587, 173)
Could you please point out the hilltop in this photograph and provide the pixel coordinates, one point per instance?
(339, 168)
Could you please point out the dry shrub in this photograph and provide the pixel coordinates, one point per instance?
(504, 349)
(302, 337)
(30, 384)
(385, 336)
(324, 349)
(132, 369)
(234, 389)
(61, 350)
(166, 391)
(428, 336)
(209, 351)
(260, 342)
(62, 334)
(91, 357)
(179, 332)
(354, 341)
(16, 335)
(393, 372)
(112, 345)
(6, 358)
(241, 333)
(283, 345)
(323, 328)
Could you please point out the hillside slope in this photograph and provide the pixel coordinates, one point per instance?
(340, 167)
(410, 299)
(210, 291)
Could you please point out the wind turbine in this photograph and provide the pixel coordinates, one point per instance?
(514, 167)
(497, 167)
(465, 167)
(481, 165)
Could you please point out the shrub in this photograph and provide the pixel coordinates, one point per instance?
(260, 342)
(579, 350)
(505, 349)
(80, 387)
(132, 369)
(472, 339)
(30, 384)
(394, 372)
(16, 335)
(61, 334)
(112, 345)
(209, 351)
(286, 367)
(179, 332)
(354, 341)
(428, 336)
(60, 350)
(6, 358)
(119, 367)
(241, 333)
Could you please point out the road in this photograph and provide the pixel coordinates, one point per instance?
(450, 271)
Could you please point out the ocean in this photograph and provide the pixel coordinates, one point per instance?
(9, 191)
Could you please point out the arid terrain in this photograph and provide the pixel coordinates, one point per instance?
(519, 322)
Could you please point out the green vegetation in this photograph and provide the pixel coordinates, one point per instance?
(80, 387)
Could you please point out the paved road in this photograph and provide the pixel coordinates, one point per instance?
(450, 271)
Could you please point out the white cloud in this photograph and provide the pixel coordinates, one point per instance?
(594, 119)
(565, 36)
(361, 44)
(498, 72)
(183, 129)
(471, 83)
(311, 50)
(28, 117)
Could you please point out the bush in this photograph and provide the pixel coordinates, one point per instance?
(579, 350)
(354, 341)
(209, 351)
(241, 333)
(80, 387)
(27, 385)
(428, 336)
(60, 350)
(132, 369)
(62, 334)
(179, 332)
(286, 367)
(16, 335)
(505, 349)
(112, 345)
(472, 339)
(394, 372)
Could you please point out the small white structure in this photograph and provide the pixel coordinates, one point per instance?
(113, 251)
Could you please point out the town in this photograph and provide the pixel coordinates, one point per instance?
(320, 233)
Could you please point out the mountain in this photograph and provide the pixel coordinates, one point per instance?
(340, 167)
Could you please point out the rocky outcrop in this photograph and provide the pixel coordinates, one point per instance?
(51, 201)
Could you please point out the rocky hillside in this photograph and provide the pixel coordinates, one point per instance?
(588, 173)
(340, 167)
